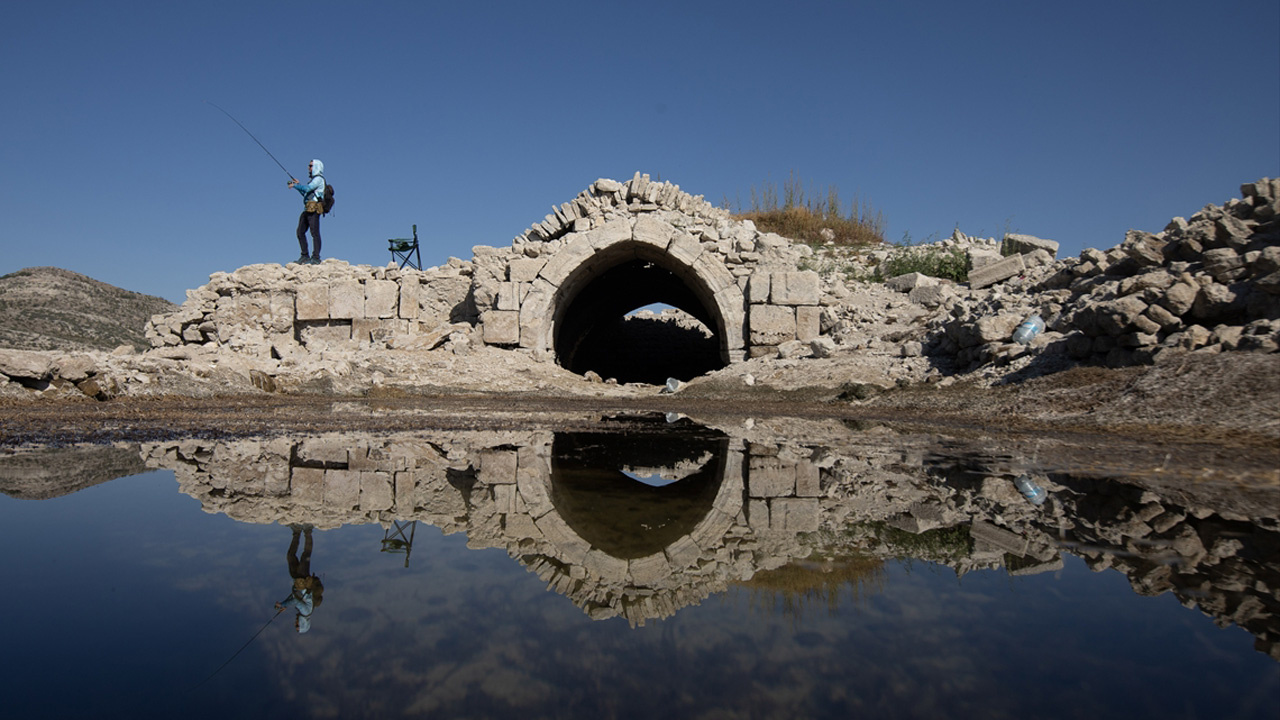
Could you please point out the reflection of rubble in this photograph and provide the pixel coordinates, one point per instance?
(676, 471)
(1222, 562)
(768, 504)
(1226, 567)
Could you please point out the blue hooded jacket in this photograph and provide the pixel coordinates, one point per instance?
(313, 190)
(304, 603)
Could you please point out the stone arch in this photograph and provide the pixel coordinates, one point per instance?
(653, 261)
(630, 244)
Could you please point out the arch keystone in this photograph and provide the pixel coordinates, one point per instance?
(653, 231)
(609, 233)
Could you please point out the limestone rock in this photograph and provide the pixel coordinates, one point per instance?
(822, 347)
(25, 364)
(1015, 243)
(998, 327)
(995, 272)
(910, 281)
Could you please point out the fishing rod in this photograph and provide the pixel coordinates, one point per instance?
(255, 635)
(264, 147)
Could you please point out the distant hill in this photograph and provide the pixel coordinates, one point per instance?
(48, 308)
(51, 473)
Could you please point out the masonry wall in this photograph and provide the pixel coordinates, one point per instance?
(505, 297)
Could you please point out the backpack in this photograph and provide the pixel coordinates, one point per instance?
(328, 197)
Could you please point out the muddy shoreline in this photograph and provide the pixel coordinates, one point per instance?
(1218, 419)
(956, 411)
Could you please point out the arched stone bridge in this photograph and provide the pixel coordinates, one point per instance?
(564, 290)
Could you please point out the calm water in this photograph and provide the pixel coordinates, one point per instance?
(631, 575)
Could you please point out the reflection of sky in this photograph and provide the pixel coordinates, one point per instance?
(662, 477)
(650, 479)
(125, 595)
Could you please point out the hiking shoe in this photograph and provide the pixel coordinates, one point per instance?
(315, 260)
(303, 260)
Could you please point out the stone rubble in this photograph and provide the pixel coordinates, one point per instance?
(1208, 284)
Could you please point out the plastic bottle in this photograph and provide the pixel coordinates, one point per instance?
(1031, 490)
(1029, 328)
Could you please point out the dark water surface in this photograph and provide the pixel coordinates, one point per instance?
(629, 575)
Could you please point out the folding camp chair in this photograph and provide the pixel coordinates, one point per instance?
(395, 541)
(406, 251)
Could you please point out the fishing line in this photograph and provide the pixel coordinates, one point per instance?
(264, 147)
(255, 635)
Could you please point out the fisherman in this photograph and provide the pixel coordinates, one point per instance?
(307, 588)
(312, 209)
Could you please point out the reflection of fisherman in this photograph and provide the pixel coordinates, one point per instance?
(307, 590)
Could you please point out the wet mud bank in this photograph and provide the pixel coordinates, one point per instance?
(1211, 412)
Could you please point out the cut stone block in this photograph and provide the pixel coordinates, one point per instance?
(508, 296)
(995, 272)
(758, 288)
(498, 467)
(650, 230)
(793, 515)
(909, 282)
(525, 269)
(381, 298)
(771, 324)
(306, 486)
(769, 477)
(1015, 243)
(376, 492)
(607, 567)
(341, 489)
(684, 248)
(998, 537)
(808, 480)
(501, 327)
(808, 322)
(651, 570)
(346, 300)
(568, 545)
(410, 292)
(794, 288)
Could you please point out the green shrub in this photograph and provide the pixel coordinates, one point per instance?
(931, 260)
(949, 543)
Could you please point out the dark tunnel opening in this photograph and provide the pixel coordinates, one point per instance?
(595, 490)
(594, 333)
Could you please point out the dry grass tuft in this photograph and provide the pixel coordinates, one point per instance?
(812, 218)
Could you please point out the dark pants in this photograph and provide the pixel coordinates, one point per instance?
(300, 567)
(312, 221)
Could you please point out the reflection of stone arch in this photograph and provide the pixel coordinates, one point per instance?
(497, 488)
(647, 261)
(652, 586)
(718, 514)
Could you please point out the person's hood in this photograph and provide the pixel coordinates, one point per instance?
(317, 168)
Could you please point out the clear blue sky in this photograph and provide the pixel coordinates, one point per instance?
(1071, 121)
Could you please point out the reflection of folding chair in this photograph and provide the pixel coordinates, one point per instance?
(394, 540)
(403, 248)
